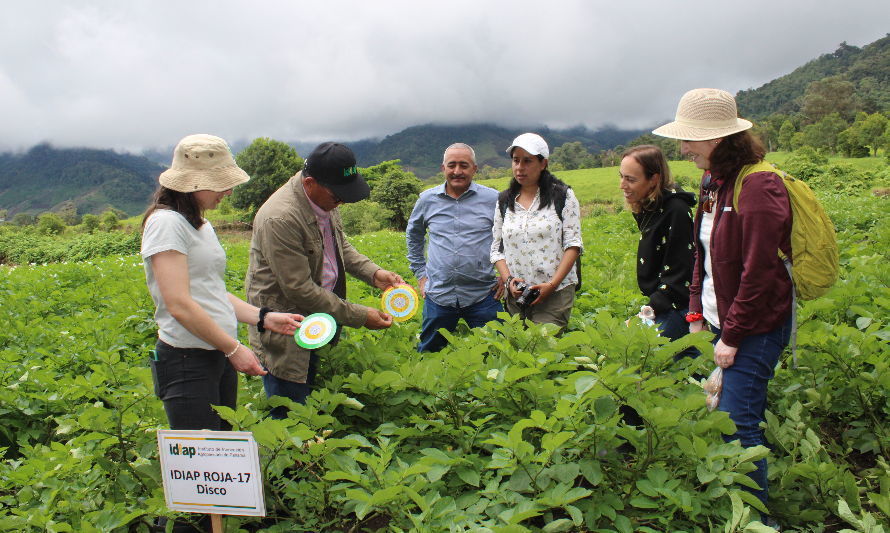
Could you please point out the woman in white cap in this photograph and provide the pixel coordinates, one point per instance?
(537, 236)
(740, 285)
(197, 353)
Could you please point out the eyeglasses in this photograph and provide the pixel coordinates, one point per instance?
(707, 204)
(333, 195)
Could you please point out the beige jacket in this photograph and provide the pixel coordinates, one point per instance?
(284, 274)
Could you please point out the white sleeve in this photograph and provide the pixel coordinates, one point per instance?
(571, 222)
(165, 230)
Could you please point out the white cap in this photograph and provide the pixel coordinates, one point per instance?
(531, 143)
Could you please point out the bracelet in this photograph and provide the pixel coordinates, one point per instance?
(259, 324)
(694, 317)
(230, 354)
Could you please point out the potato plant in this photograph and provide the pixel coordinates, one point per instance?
(509, 429)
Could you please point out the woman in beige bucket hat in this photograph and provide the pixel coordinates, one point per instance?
(740, 287)
(198, 353)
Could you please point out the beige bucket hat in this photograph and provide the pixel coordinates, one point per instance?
(702, 115)
(202, 162)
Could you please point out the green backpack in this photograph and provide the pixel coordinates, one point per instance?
(813, 246)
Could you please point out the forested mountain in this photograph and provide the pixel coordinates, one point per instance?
(420, 147)
(44, 177)
(867, 69)
(837, 103)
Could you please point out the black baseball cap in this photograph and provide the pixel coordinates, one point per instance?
(333, 165)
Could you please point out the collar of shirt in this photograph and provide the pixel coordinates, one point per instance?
(535, 201)
(440, 189)
(320, 213)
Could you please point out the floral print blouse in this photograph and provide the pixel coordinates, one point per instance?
(534, 240)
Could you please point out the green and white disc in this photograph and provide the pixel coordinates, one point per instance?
(400, 301)
(316, 330)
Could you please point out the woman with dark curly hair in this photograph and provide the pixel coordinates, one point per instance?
(740, 286)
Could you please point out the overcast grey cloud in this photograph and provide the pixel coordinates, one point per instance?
(142, 74)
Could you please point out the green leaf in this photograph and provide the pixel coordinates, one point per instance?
(584, 383)
(591, 471)
(843, 511)
(563, 524)
(643, 502)
(468, 475)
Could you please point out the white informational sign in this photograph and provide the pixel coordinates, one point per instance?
(215, 472)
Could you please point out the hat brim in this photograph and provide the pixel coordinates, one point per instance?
(349, 193)
(685, 132)
(528, 149)
(213, 179)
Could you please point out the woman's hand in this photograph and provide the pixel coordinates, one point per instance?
(244, 360)
(546, 288)
(512, 287)
(284, 323)
(724, 356)
(500, 288)
(695, 327)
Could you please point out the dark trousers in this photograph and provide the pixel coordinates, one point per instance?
(189, 381)
(744, 392)
(297, 392)
(673, 325)
(437, 316)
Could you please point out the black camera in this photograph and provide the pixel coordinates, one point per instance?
(528, 295)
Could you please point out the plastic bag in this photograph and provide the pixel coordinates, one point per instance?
(713, 385)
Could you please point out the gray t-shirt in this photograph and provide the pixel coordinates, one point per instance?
(168, 230)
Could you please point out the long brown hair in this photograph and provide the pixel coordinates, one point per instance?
(183, 203)
(734, 152)
(653, 161)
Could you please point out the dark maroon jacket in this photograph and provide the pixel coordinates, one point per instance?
(752, 285)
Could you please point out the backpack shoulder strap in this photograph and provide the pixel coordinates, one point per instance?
(502, 201)
(559, 200)
(747, 170)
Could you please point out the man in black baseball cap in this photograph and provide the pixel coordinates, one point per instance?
(332, 165)
(299, 258)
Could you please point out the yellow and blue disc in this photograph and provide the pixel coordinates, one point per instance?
(401, 302)
(316, 330)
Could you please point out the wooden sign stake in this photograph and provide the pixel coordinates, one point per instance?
(216, 522)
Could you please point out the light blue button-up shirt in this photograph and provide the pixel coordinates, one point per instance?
(457, 265)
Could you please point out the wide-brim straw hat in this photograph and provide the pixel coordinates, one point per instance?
(202, 162)
(702, 115)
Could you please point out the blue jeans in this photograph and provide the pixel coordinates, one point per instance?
(744, 392)
(673, 325)
(437, 316)
(297, 392)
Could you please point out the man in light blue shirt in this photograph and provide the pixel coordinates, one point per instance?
(455, 276)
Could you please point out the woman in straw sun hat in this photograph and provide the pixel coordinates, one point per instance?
(740, 286)
(198, 352)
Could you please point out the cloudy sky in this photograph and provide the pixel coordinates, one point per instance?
(143, 73)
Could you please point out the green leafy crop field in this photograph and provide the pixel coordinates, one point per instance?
(509, 429)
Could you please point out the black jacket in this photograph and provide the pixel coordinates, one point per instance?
(665, 252)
